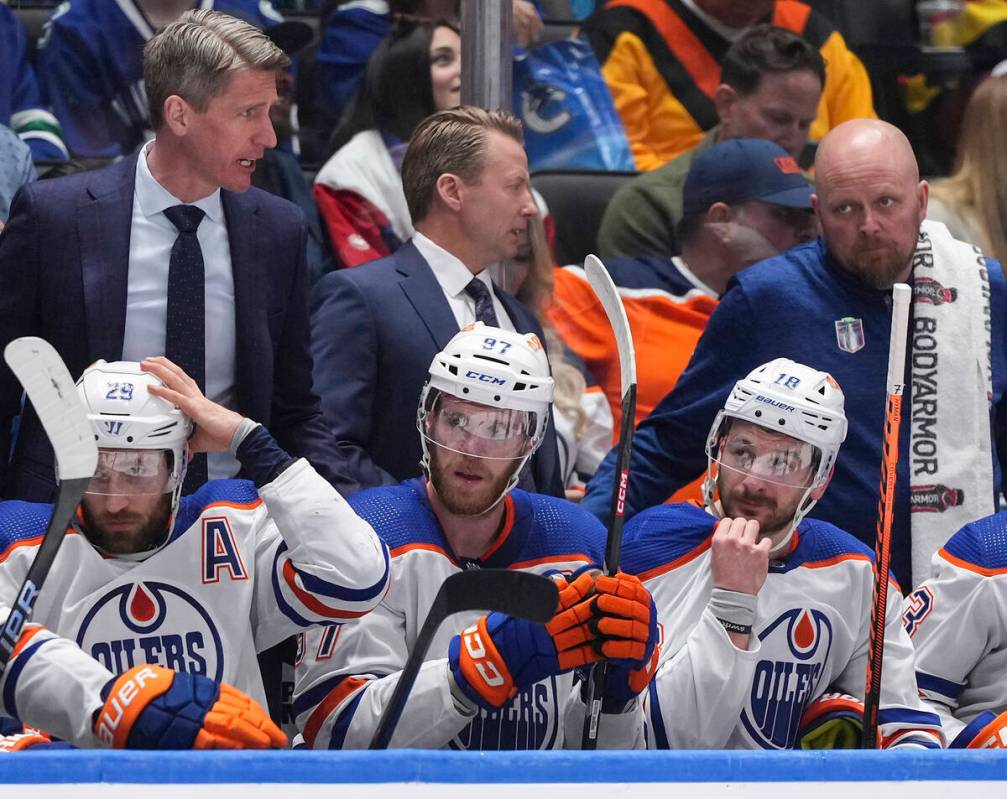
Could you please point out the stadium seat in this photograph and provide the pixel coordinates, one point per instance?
(576, 200)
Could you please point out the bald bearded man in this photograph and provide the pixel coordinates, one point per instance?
(828, 304)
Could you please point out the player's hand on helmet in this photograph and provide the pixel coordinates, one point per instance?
(215, 424)
(151, 707)
(739, 560)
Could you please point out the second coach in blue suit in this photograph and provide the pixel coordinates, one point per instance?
(170, 252)
(376, 327)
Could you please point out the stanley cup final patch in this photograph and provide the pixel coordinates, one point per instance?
(850, 334)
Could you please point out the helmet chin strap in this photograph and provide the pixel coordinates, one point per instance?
(714, 507)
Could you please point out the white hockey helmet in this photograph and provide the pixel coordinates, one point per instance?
(504, 371)
(789, 398)
(126, 416)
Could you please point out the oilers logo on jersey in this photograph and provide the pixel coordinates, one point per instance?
(152, 622)
(782, 688)
(528, 721)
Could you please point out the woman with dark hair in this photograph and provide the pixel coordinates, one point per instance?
(413, 73)
(352, 29)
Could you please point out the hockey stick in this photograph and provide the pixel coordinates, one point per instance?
(521, 594)
(901, 296)
(51, 390)
(603, 286)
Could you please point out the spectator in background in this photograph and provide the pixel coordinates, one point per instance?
(21, 105)
(354, 29)
(972, 202)
(581, 413)
(745, 200)
(375, 330)
(828, 304)
(91, 67)
(171, 252)
(770, 87)
(16, 169)
(413, 73)
(662, 62)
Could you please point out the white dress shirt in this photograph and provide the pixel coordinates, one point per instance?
(453, 276)
(152, 236)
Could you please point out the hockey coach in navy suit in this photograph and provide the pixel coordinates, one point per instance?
(171, 252)
(376, 327)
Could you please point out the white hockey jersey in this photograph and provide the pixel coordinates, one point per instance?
(242, 571)
(957, 620)
(810, 635)
(344, 676)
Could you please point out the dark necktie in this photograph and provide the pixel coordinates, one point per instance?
(485, 313)
(477, 290)
(185, 330)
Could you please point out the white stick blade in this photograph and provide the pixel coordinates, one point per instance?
(902, 296)
(51, 390)
(604, 287)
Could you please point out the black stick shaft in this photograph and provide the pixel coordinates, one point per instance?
(613, 551)
(70, 493)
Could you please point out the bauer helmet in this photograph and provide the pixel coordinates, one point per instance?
(132, 428)
(788, 398)
(503, 379)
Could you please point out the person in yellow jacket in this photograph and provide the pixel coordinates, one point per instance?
(661, 59)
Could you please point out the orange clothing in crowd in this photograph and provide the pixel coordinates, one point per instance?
(667, 307)
(662, 63)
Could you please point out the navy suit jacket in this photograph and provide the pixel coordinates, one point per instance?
(374, 331)
(64, 259)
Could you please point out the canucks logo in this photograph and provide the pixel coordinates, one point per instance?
(152, 622)
(781, 688)
(528, 721)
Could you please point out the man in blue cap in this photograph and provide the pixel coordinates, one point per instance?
(744, 200)
(827, 304)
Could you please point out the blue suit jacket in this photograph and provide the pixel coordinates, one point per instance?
(64, 258)
(374, 331)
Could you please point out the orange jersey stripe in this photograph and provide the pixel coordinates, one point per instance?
(702, 67)
(30, 631)
(972, 567)
(421, 546)
(527, 564)
(344, 690)
(680, 561)
(791, 16)
(310, 601)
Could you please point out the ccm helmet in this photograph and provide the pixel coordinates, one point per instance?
(506, 375)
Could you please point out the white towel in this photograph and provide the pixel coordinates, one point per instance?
(950, 453)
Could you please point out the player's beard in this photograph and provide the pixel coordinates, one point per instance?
(773, 519)
(476, 501)
(150, 535)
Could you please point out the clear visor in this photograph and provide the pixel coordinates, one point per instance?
(477, 430)
(132, 472)
(753, 451)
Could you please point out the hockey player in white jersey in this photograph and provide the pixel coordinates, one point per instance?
(765, 613)
(957, 620)
(482, 413)
(156, 605)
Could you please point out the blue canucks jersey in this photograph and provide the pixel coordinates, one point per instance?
(91, 67)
